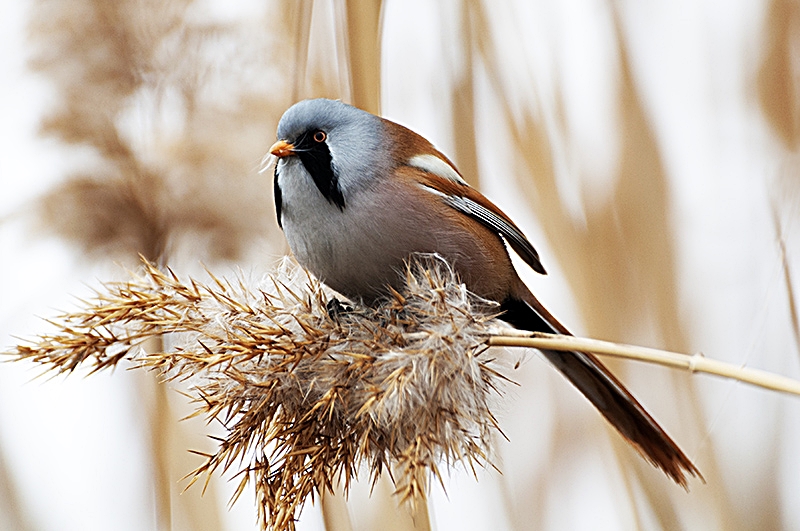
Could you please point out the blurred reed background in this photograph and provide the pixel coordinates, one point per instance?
(649, 150)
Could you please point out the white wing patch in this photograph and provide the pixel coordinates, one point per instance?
(435, 165)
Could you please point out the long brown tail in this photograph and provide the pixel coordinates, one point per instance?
(603, 390)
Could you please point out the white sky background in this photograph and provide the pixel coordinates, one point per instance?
(75, 444)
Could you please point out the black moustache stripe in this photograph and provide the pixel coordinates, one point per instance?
(276, 188)
(316, 158)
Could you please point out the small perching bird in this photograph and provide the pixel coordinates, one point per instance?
(357, 195)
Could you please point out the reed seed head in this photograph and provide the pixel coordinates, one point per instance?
(307, 396)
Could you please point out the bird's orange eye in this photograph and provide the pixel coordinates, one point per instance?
(320, 136)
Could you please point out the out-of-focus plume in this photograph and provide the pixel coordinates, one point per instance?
(778, 76)
(172, 114)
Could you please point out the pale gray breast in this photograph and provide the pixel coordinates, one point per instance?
(352, 250)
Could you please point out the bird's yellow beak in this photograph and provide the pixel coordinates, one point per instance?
(281, 149)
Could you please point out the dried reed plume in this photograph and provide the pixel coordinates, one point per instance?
(306, 394)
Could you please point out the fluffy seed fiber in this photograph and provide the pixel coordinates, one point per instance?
(307, 395)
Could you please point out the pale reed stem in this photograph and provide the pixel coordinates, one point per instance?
(690, 362)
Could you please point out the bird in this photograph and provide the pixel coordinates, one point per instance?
(357, 195)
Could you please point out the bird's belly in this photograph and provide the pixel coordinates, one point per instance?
(355, 251)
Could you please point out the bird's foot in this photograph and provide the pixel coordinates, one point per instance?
(336, 308)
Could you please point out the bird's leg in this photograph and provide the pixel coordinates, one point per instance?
(335, 308)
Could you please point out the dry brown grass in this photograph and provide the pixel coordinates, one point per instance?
(305, 398)
(170, 125)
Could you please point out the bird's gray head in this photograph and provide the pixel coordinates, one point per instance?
(337, 144)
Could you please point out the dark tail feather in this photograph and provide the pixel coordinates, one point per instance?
(607, 393)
